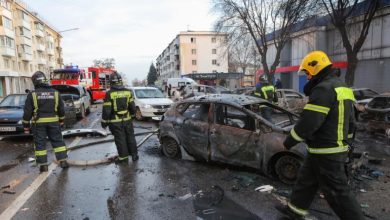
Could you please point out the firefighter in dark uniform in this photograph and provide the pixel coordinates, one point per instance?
(266, 91)
(117, 110)
(326, 124)
(45, 109)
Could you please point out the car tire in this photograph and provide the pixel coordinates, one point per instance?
(287, 168)
(170, 148)
(138, 114)
(82, 112)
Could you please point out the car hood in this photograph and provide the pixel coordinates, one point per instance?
(155, 101)
(11, 114)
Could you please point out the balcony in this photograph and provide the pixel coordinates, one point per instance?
(24, 40)
(51, 64)
(41, 61)
(7, 32)
(39, 33)
(25, 56)
(50, 39)
(5, 12)
(40, 47)
(50, 51)
(21, 22)
(7, 51)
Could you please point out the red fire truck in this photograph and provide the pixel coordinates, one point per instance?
(95, 79)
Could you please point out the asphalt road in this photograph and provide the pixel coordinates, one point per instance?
(155, 187)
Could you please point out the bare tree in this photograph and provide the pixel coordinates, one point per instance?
(241, 54)
(265, 21)
(342, 15)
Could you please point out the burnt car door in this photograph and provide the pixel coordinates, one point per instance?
(192, 129)
(233, 137)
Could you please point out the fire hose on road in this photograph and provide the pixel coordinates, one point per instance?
(107, 159)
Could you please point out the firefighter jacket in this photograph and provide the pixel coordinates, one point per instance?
(267, 92)
(43, 105)
(118, 106)
(327, 120)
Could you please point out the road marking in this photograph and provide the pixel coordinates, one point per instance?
(29, 191)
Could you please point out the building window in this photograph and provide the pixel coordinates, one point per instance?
(7, 41)
(31, 67)
(25, 66)
(213, 40)
(26, 48)
(193, 40)
(194, 62)
(193, 51)
(25, 32)
(5, 4)
(214, 51)
(23, 15)
(214, 71)
(194, 71)
(6, 63)
(214, 62)
(39, 26)
(6, 22)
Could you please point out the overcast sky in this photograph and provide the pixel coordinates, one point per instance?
(133, 32)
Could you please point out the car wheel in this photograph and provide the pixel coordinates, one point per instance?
(82, 112)
(287, 168)
(138, 114)
(170, 148)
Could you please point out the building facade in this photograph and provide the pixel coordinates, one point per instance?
(373, 70)
(27, 44)
(194, 53)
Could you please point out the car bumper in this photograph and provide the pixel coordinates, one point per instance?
(152, 113)
(12, 130)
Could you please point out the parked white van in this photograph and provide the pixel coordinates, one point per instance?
(175, 84)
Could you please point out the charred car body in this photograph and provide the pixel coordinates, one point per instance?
(377, 115)
(230, 129)
(291, 100)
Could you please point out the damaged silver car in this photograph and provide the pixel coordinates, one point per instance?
(231, 129)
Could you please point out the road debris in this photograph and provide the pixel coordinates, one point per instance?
(185, 197)
(265, 188)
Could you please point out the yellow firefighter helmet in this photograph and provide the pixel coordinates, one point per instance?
(314, 62)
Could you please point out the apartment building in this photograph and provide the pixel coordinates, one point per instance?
(200, 55)
(27, 44)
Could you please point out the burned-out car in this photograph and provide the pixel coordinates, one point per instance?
(230, 129)
(291, 100)
(377, 115)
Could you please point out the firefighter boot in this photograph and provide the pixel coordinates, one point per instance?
(64, 164)
(43, 168)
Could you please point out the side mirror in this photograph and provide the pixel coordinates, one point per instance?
(27, 91)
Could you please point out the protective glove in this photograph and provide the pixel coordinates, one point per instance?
(289, 142)
(104, 125)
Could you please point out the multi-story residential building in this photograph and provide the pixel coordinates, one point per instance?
(319, 34)
(200, 55)
(27, 44)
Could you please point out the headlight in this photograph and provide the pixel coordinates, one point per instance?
(20, 122)
(146, 106)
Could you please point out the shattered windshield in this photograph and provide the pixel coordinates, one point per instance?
(148, 93)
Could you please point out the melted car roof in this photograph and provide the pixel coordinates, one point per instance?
(226, 98)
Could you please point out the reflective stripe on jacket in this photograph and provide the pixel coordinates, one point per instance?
(327, 119)
(118, 105)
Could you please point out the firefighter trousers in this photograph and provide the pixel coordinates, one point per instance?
(51, 130)
(124, 138)
(326, 173)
